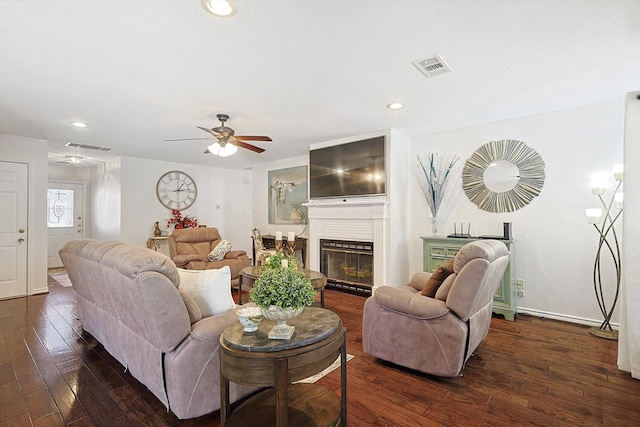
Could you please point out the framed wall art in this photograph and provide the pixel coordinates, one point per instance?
(287, 192)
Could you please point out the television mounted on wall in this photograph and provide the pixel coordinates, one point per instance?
(347, 170)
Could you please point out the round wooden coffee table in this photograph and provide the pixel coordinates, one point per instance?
(251, 358)
(248, 275)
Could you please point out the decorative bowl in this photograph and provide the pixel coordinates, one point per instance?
(249, 318)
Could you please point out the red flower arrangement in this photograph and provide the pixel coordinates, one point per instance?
(179, 222)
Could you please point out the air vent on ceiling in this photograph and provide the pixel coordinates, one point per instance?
(86, 146)
(432, 66)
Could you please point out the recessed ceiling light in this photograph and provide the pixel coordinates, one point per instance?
(79, 124)
(219, 7)
(395, 105)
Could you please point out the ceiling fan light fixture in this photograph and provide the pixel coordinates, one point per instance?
(219, 7)
(395, 105)
(222, 151)
(74, 160)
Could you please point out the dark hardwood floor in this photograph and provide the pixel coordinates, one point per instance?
(531, 372)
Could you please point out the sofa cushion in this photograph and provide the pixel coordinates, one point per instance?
(221, 249)
(436, 279)
(210, 289)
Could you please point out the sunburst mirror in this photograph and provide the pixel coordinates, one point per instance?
(503, 176)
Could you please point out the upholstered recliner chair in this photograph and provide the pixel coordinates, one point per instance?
(437, 335)
(189, 248)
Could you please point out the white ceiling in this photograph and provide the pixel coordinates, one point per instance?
(302, 72)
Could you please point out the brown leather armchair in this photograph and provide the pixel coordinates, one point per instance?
(437, 335)
(189, 249)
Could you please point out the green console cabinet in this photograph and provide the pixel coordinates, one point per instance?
(436, 250)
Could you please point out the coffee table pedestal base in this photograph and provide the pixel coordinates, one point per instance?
(310, 405)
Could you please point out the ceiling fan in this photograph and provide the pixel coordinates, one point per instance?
(227, 141)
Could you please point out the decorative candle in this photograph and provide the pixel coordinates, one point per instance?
(291, 236)
(285, 263)
(278, 235)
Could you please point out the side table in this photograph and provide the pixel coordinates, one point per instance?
(154, 242)
(251, 358)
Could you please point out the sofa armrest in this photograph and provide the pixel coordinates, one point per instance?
(210, 328)
(234, 254)
(182, 260)
(406, 300)
(197, 265)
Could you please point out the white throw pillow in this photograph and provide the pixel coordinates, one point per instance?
(221, 249)
(210, 289)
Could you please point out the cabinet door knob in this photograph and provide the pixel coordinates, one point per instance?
(21, 240)
(21, 230)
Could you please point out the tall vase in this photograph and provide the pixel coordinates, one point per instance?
(434, 225)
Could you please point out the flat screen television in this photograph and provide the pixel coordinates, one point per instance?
(353, 169)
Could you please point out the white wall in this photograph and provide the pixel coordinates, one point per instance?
(105, 201)
(33, 152)
(126, 205)
(555, 247)
(629, 340)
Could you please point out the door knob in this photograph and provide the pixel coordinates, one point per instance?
(80, 231)
(21, 230)
(21, 240)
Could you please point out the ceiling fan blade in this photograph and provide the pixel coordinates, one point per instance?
(207, 151)
(249, 146)
(216, 134)
(254, 138)
(185, 139)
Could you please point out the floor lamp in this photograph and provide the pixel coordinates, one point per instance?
(604, 219)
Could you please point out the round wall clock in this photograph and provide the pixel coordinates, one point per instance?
(176, 190)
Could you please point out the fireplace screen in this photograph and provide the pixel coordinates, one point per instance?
(347, 263)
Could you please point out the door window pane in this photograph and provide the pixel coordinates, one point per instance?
(59, 208)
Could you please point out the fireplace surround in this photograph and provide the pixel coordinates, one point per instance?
(348, 265)
(364, 220)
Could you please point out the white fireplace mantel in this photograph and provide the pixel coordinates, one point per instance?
(360, 219)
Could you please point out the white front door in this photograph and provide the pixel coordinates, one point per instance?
(65, 218)
(13, 229)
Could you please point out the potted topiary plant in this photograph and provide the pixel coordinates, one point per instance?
(282, 291)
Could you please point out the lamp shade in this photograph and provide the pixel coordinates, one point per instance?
(618, 172)
(598, 185)
(222, 151)
(228, 150)
(619, 198)
(593, 215)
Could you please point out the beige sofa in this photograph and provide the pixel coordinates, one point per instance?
(128, 299)
(189, 248)
(437, 335)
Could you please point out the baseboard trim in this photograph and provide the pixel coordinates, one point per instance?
(562, 317)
